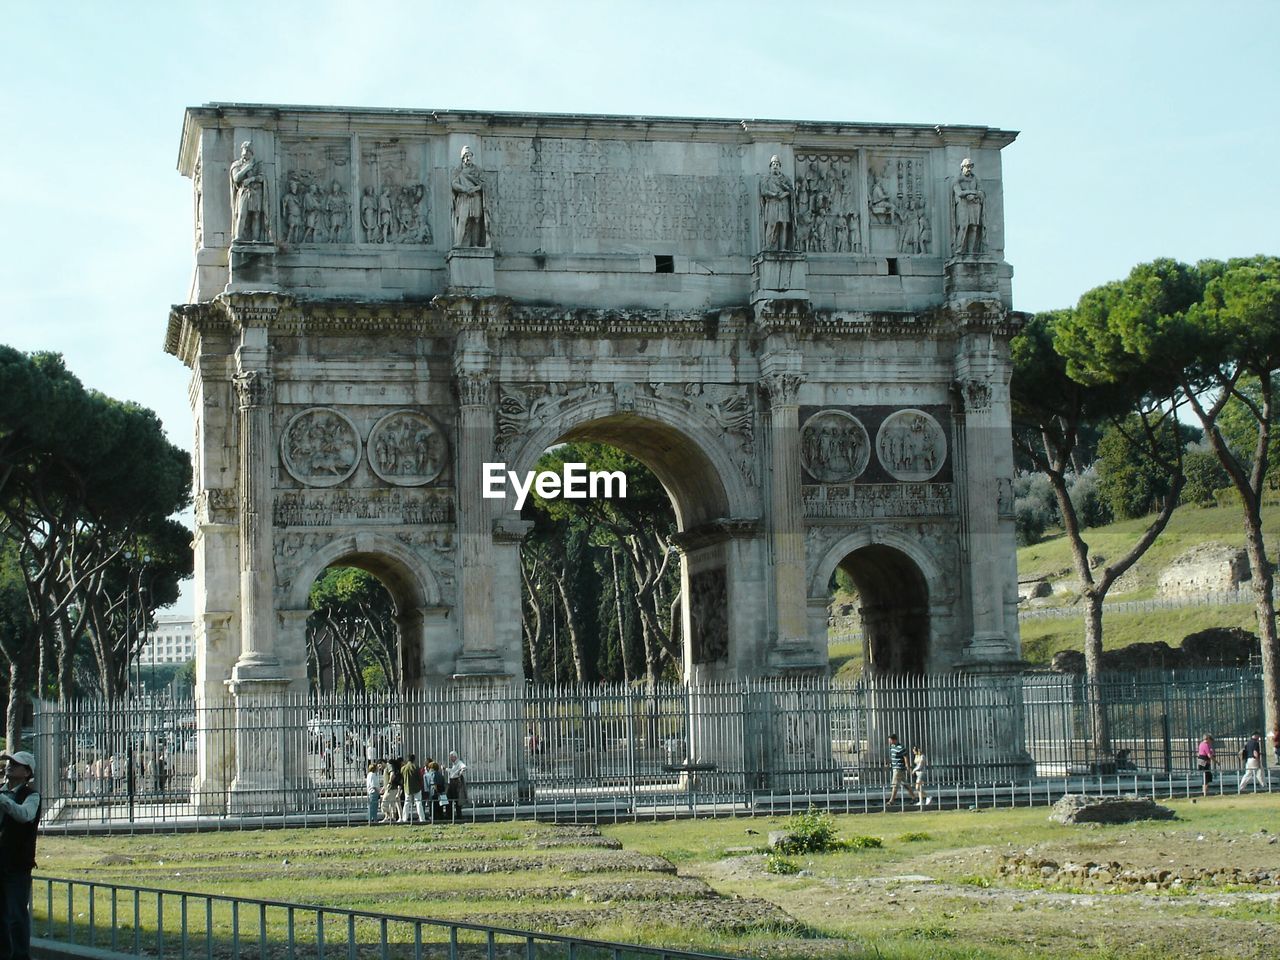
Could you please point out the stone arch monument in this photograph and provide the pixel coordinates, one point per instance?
(802, 328)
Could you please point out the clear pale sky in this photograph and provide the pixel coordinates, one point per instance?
(1148, 128)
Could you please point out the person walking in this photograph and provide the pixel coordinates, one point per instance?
(898, 766)
(1205, 761)
(918, 767)
(412, 791)
(373, 786)
(456, 790)
(19, 819)
(1251, 754)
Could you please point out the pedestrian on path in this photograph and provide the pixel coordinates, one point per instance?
(898, 768)
(1205, 761)
(1251, 754)
(19, 818)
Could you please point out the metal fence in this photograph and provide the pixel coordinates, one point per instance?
(1217, 598)
(615, 751)
(144, 921)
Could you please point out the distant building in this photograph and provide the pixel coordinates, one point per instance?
(172, 641)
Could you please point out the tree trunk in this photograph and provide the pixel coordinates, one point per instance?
(617, 609)
(575, 635)
(1265, 610)
(18, 680)
(1099, 722)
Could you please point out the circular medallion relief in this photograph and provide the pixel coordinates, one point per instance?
(834, 446)
(911, 445)
(320, 447)
(407, 448)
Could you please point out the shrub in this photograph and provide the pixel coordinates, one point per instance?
(862, 843)
(913, 837)
(811, 832)
(780, 865)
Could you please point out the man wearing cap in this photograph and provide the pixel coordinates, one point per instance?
(19, 816)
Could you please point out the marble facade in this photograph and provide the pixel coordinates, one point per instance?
(802, 328)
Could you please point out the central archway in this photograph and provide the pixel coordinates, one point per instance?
(711, 501)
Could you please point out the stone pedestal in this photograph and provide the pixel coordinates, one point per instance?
(972, 278)
(271, 749)
(251, 266)
(779, 275)
(494, 737)
(471, 271)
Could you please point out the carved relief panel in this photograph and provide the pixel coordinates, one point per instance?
(828, 207)
(911, 445)
(834, 446)
(315, 195)
(394, 204)
(407, 449)
(320, 447)
(898, 205)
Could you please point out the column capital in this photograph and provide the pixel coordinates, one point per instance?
(782, 387)
(253, 388)
(972, 394)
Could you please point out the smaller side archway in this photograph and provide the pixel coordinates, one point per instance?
(426, 640)
(905, 605)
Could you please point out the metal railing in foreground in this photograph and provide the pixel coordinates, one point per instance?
(150, 922)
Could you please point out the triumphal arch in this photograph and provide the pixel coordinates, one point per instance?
(801, 327)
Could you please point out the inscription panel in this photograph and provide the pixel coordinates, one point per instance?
(593, 196)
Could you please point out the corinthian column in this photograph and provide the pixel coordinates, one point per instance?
(786, 514)
(985, 464)
(257, 659)
(475, 514)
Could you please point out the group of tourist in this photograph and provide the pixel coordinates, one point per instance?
(399, 788)
(103, 776)
(1251, 755)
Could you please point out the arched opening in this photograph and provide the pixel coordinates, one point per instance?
(365, 607)
(891, 597)
(663, 578)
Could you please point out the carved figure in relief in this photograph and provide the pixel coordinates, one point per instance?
(969, 199)
(249, 197)
(292, 212)
(197, 183)
(384, 215)
(470, 208)
(320, 447)
(369, 215)
(335, 206)
(879, 201)
(777, 214)
(924, 230)
(312, 215)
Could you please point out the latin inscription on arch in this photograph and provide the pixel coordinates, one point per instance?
(608, 195)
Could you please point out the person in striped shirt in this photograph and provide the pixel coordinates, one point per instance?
(898, 766)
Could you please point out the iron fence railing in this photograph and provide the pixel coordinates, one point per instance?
(184, 925)
(621, 750)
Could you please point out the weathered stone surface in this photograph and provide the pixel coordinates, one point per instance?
(1081, 808)
(1206, 568)
(386, 301)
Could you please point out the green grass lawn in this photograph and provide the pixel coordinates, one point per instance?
(930, 892)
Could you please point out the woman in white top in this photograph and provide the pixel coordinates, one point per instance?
(918, 768)
(373, 784)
